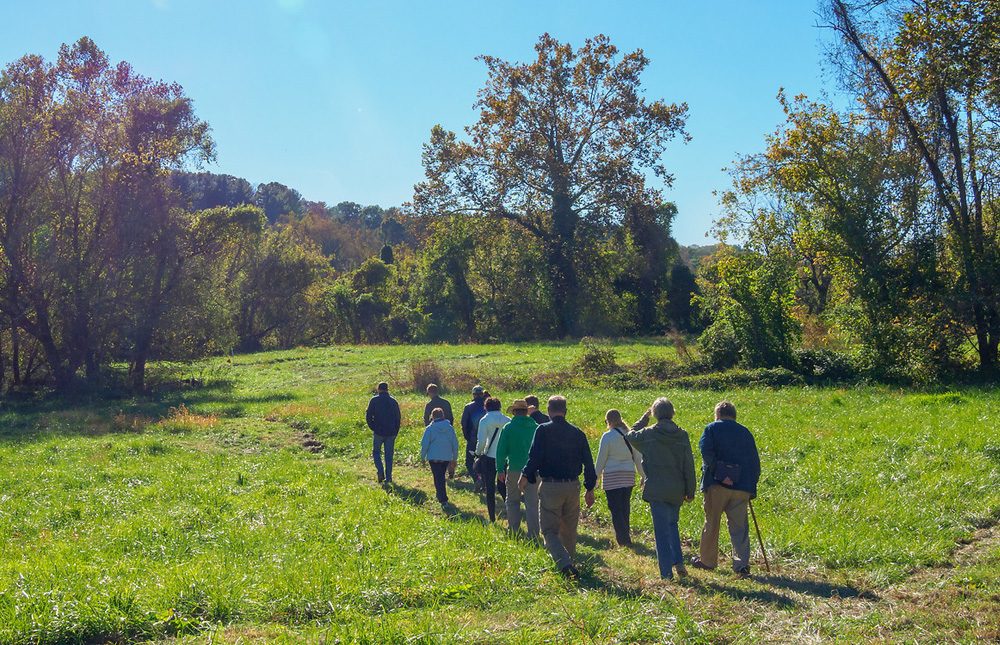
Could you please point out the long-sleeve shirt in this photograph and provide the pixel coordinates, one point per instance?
(490, 424)
(514, 443)
(560, 451)
(439, 442)
(616, 464)
(471, 414)
(438, 402)
(729, 442)
(383, 415)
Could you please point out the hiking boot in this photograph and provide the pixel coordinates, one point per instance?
(698, 564)
(743, 574)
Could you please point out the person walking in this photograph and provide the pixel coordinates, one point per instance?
(533, 411)
(730, 473)
(383, 419)
(486, 450)
(670, 480)
(617, 463)
(558, 454)
(512, 454)
(437, 402)
(439, 447)
(471, 414)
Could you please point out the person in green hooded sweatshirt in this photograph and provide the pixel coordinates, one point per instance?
(668, 462)
(512, 454)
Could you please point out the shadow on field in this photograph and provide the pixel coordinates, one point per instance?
(817, 588)
(418, 497)
(742, 593)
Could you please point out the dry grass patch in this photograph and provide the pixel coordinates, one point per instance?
(182, 420)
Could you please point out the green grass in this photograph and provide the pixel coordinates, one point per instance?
(197, 513)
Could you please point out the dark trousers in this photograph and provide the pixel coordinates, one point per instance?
(470, 448)
(501, 488)
(488, 471)
(439, 470)
(620, 505)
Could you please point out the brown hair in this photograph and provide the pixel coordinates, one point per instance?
(492, 404)
(725, 410)
(437, 414)
(613, 418)
(531, 400)
(432, 389)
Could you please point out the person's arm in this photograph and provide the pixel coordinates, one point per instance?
(602, 454)
(425, 444)
(754, 462)
(690, 483)
(447, 412)
(707, 447)
(397, 417)
(466, 434)
(589, 474)
(640, 424)
(482, 437)
(536, 454)
(427, 414)
(502, 450)
(637, 460)
(454, 443)
(370, 415)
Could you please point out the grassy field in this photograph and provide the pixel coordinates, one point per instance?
(238, 505)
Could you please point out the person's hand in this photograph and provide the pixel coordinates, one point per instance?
(588, 497)
(642, 483)
(522, 484)
(727, 481)
(502, 477)
(689, 498)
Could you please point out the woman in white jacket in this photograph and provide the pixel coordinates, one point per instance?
(617, 464)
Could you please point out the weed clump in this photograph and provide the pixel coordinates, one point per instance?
(425, 372)
(596, 360)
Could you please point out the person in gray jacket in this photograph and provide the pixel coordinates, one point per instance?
(668, 462)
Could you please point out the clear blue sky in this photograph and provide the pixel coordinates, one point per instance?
(336, 98)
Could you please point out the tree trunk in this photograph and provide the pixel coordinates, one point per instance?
(559, 249)
(15, 355)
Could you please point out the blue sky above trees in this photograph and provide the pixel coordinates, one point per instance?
(336, 98)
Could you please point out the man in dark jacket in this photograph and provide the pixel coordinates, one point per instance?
(533, 411)
(384, 419)
(437, 402)
(730, 472)
(559, 453)
(471, 414)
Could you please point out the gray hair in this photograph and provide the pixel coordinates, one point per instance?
(663, 408)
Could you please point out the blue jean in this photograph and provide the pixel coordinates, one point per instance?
(377, 442)
(667, 536)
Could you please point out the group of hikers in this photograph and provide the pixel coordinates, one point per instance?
(535, 460)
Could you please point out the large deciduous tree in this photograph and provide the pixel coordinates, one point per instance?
(564, 139)
(931, 69)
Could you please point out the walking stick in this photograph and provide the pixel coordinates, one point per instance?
(767, 565)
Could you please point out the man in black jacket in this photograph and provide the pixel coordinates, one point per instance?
(558, 454)
(383, 418)
(471, 414)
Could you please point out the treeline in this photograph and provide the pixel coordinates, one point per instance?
(112, 253)
(871, 235)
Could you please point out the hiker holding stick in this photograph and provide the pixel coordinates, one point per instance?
(730, 472)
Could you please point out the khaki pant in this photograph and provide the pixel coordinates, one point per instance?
(513, 503)
(559, 514)
(734, 503)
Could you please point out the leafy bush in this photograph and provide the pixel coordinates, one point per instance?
(769, 377)
(596, 360)
(825, 364)
(718, 347)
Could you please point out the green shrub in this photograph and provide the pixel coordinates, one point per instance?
(825, 364)
(596, 360)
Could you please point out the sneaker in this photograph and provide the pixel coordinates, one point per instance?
(698, 564)
(743, 574)
(681, 570)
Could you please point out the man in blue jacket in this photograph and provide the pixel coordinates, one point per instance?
(384, 419)
(474, 411)
(730, 472)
